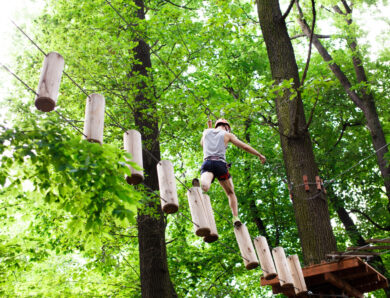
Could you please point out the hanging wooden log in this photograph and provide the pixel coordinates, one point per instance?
(297, 274)
(49, 82)
(266, 262)
(199, 218)
(246, 247)
(94, 118)
(167, 185)
(209, 123)
(284, 274)
(210, 217)
(133, 145)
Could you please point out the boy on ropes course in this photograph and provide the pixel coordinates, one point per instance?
(214, 142)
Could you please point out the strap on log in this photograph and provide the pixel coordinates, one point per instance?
(306, 182)
(318, 182)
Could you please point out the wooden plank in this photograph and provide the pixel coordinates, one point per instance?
(355, 253)
(341, 284)
(337, 258)
(369, 247)
(385, 240)
(321, 269)
(357, 273)
(374, 286)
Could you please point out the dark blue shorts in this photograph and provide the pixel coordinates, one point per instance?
(217, 167)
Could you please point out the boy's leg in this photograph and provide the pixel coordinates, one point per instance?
(205, 180)
(227, 185)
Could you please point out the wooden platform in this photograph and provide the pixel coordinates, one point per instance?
(349, 276)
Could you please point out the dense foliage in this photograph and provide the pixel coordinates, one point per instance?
(67, 225)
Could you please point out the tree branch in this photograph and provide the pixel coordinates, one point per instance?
(348, 9)
(311, 113)
(328, 58)
(386, 228)
(344, 128)
(316, 35)
(310, 43)
(180, 6)
(288, 9)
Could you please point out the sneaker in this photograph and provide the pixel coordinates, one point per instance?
(236, 221)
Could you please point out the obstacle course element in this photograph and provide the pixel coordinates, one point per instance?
(284, 274)
(167, 185)
(94, 118)
(264, 254)
(49, 82)
(297, 275)
(213, 236)
(348, 276)
(246, 247)
(198, 211)
(133, 144)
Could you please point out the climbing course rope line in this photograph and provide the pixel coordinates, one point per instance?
(184, 216)
(146, 150)
(220, 242)
(85, 93)
(33, 91)
(207, 112)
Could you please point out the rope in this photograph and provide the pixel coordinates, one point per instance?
(19, 79)
(82, 90)
(33, 91)
(207, 112)
(220, 242)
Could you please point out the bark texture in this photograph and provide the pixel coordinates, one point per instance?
(311, 214)
(364, 100)
(155, 279)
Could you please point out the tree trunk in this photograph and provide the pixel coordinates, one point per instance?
(311, 214)
(365, 101)
(155, 280)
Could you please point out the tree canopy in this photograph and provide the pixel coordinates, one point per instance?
(69, 219)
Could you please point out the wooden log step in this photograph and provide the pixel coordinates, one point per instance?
(284, 273)
(246, 247)
(213, 236)
(132, 142)
(49, 82)
(199, 219)
(264, 254)
(297, 275)
(167, 186)
(94, 118)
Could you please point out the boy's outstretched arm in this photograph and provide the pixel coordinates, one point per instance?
(235, 141)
